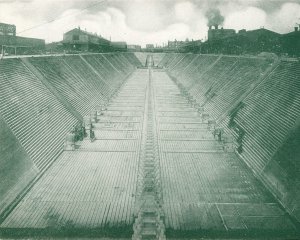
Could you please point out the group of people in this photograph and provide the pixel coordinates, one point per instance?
(80, 132)
(218, 132)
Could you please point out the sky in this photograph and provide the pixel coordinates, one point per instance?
(145, 21)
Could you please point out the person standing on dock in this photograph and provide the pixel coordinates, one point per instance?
(92, 135)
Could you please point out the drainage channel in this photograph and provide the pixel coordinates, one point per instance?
(149, 221)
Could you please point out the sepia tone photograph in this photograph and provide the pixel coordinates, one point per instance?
(150, 119)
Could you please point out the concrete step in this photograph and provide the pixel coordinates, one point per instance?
(149, 219)
(148, 233)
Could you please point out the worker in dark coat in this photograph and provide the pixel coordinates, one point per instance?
(92, 135)
(220, 136)
(83, 131)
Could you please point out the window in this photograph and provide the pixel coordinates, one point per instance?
(75, 37)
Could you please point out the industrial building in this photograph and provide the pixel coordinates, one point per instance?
(12, 44)
(80, 40)
(253, 42)
(119, 46)
(219, 33)
(134, 48)
(150, 47)
(7, 29)
(290, 43)
(243, 42)
(182, 46)
(176, 44)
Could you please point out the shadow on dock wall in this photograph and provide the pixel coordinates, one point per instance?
(16, 169)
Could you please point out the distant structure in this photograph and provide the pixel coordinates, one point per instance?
(243, 42)
(54, 47)
(219, 33)
(254, 42)
(79, 40)
(191, 46)
(7, 29)
(182, 46)
(290, 42)
(177, 44)
(12, 44)
(227, 41)
(150, 47)
(134, 48)
(119, 46)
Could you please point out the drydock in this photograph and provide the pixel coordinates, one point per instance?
(154, 171)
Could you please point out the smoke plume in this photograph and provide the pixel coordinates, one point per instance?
(214, 17)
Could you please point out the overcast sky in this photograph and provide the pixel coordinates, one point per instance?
(144, 21)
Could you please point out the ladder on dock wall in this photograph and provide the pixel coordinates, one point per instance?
(149, 221)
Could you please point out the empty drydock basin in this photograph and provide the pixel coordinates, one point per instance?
(155, 171)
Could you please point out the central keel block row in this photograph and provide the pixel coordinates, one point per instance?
(149, 222)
